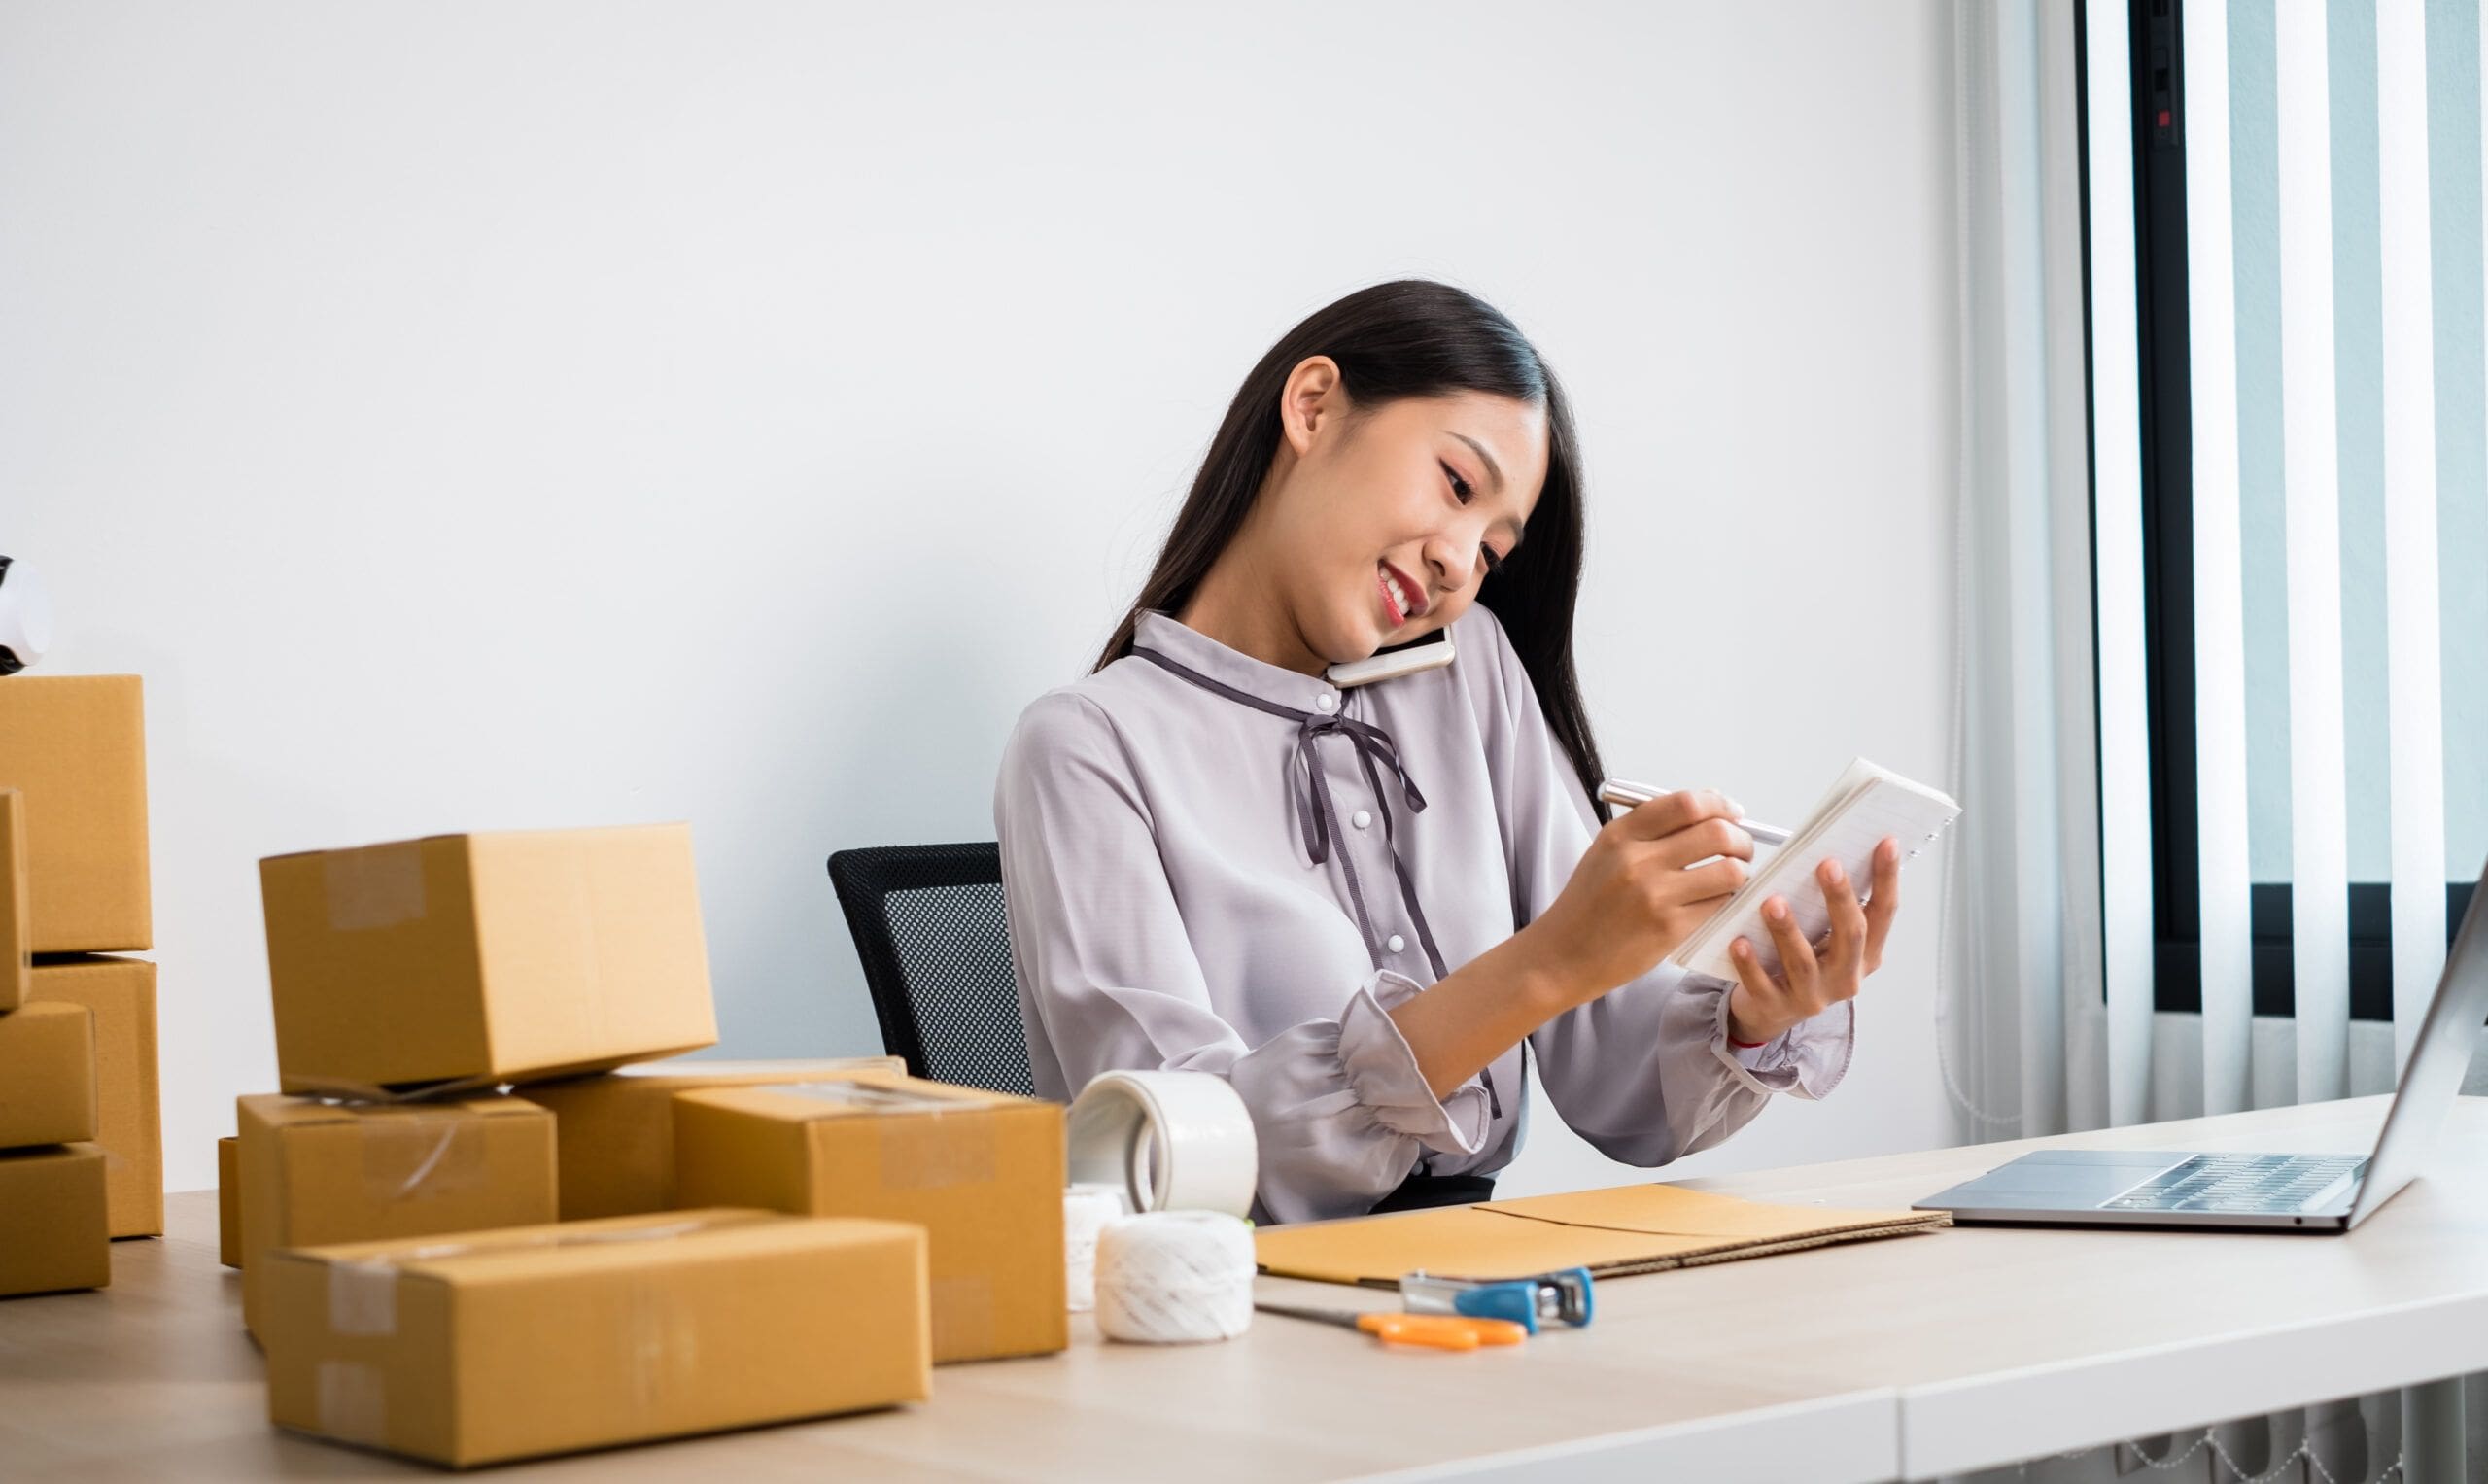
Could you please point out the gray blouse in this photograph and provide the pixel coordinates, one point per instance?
(1166, 910)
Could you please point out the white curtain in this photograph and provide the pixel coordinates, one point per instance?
(2046, 1005)
(2024, 874)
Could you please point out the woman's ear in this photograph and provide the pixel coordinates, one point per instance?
(1313, 399)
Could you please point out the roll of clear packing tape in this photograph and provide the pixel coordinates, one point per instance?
(1171, 1141)
(1086, 1211)
(1174, 1278)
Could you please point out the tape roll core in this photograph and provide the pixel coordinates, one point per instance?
(1173, 1141)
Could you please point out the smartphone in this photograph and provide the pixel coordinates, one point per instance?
(1430, 653)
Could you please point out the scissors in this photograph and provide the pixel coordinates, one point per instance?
(1439, 1331)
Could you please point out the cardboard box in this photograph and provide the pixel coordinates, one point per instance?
(515, 1344)
(52, 1220)
(129, 1125)
(981, 1172)
(17, 927)
(617, 1127)
(315, 1173)
(229, 1202)
(472, 959)
(46, 1076)
(74, 746)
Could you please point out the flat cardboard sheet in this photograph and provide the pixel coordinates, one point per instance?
(1637, 1228)
(130, 1114)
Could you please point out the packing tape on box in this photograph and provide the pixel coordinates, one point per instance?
(1171, 1141)
(962, 1312)
(363, 1292)
(353, 1396)
(1174, 1278)
(376, 886)
(915, 1153)
(875, 1096)
(417, 1154)
(353, 1402)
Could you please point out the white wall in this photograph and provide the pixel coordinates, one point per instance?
(475, 416)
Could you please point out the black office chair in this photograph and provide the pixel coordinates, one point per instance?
(929, 927)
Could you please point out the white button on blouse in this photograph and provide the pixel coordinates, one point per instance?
(1361, 817)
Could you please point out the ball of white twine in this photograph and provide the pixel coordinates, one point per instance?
(1086, 1211)
(1174, 1278)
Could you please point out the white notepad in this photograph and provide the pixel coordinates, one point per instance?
(1865, 805)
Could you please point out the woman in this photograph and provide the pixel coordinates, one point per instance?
(1361, 905)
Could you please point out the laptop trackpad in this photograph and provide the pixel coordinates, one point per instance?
(2075, 1178)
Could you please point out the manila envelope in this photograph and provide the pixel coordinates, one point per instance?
(1636, 1228)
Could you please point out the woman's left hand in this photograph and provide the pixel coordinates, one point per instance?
(1763, 1004)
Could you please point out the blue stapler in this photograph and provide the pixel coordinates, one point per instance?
(1559, 1298)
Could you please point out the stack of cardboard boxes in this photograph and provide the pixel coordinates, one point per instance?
(78, 1123)
(419, 1249)
(412, 980)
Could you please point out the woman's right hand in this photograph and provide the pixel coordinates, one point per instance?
(1637, 892)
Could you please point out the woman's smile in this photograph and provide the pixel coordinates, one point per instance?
(1399, 600)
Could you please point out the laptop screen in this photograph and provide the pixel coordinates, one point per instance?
(2438, 1060)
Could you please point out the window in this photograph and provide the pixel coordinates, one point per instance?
(2279, 618)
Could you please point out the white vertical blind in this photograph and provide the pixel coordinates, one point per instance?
(2038, 852)
(2414, 663)
(2319, 864)
(2335, 675)
(2220, 643)
(2125, 744)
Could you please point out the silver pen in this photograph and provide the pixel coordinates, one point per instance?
(1628, 794)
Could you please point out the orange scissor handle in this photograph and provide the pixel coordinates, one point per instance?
(1442, 1332)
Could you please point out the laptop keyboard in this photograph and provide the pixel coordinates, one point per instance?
(2238, 1184)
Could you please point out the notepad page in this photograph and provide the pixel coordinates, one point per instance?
(1866, 804)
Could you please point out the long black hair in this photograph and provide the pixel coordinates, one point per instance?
(1411, 338)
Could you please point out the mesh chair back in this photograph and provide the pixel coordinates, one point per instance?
(929, 926)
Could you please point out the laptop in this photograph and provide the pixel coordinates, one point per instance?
(2273, 1193)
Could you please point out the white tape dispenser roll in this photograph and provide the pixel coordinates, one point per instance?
(1175, 1141)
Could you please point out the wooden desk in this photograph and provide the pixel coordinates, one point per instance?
(1919, 1355)
(2007, 1344)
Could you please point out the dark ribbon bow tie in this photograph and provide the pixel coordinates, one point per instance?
(1317, 815)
